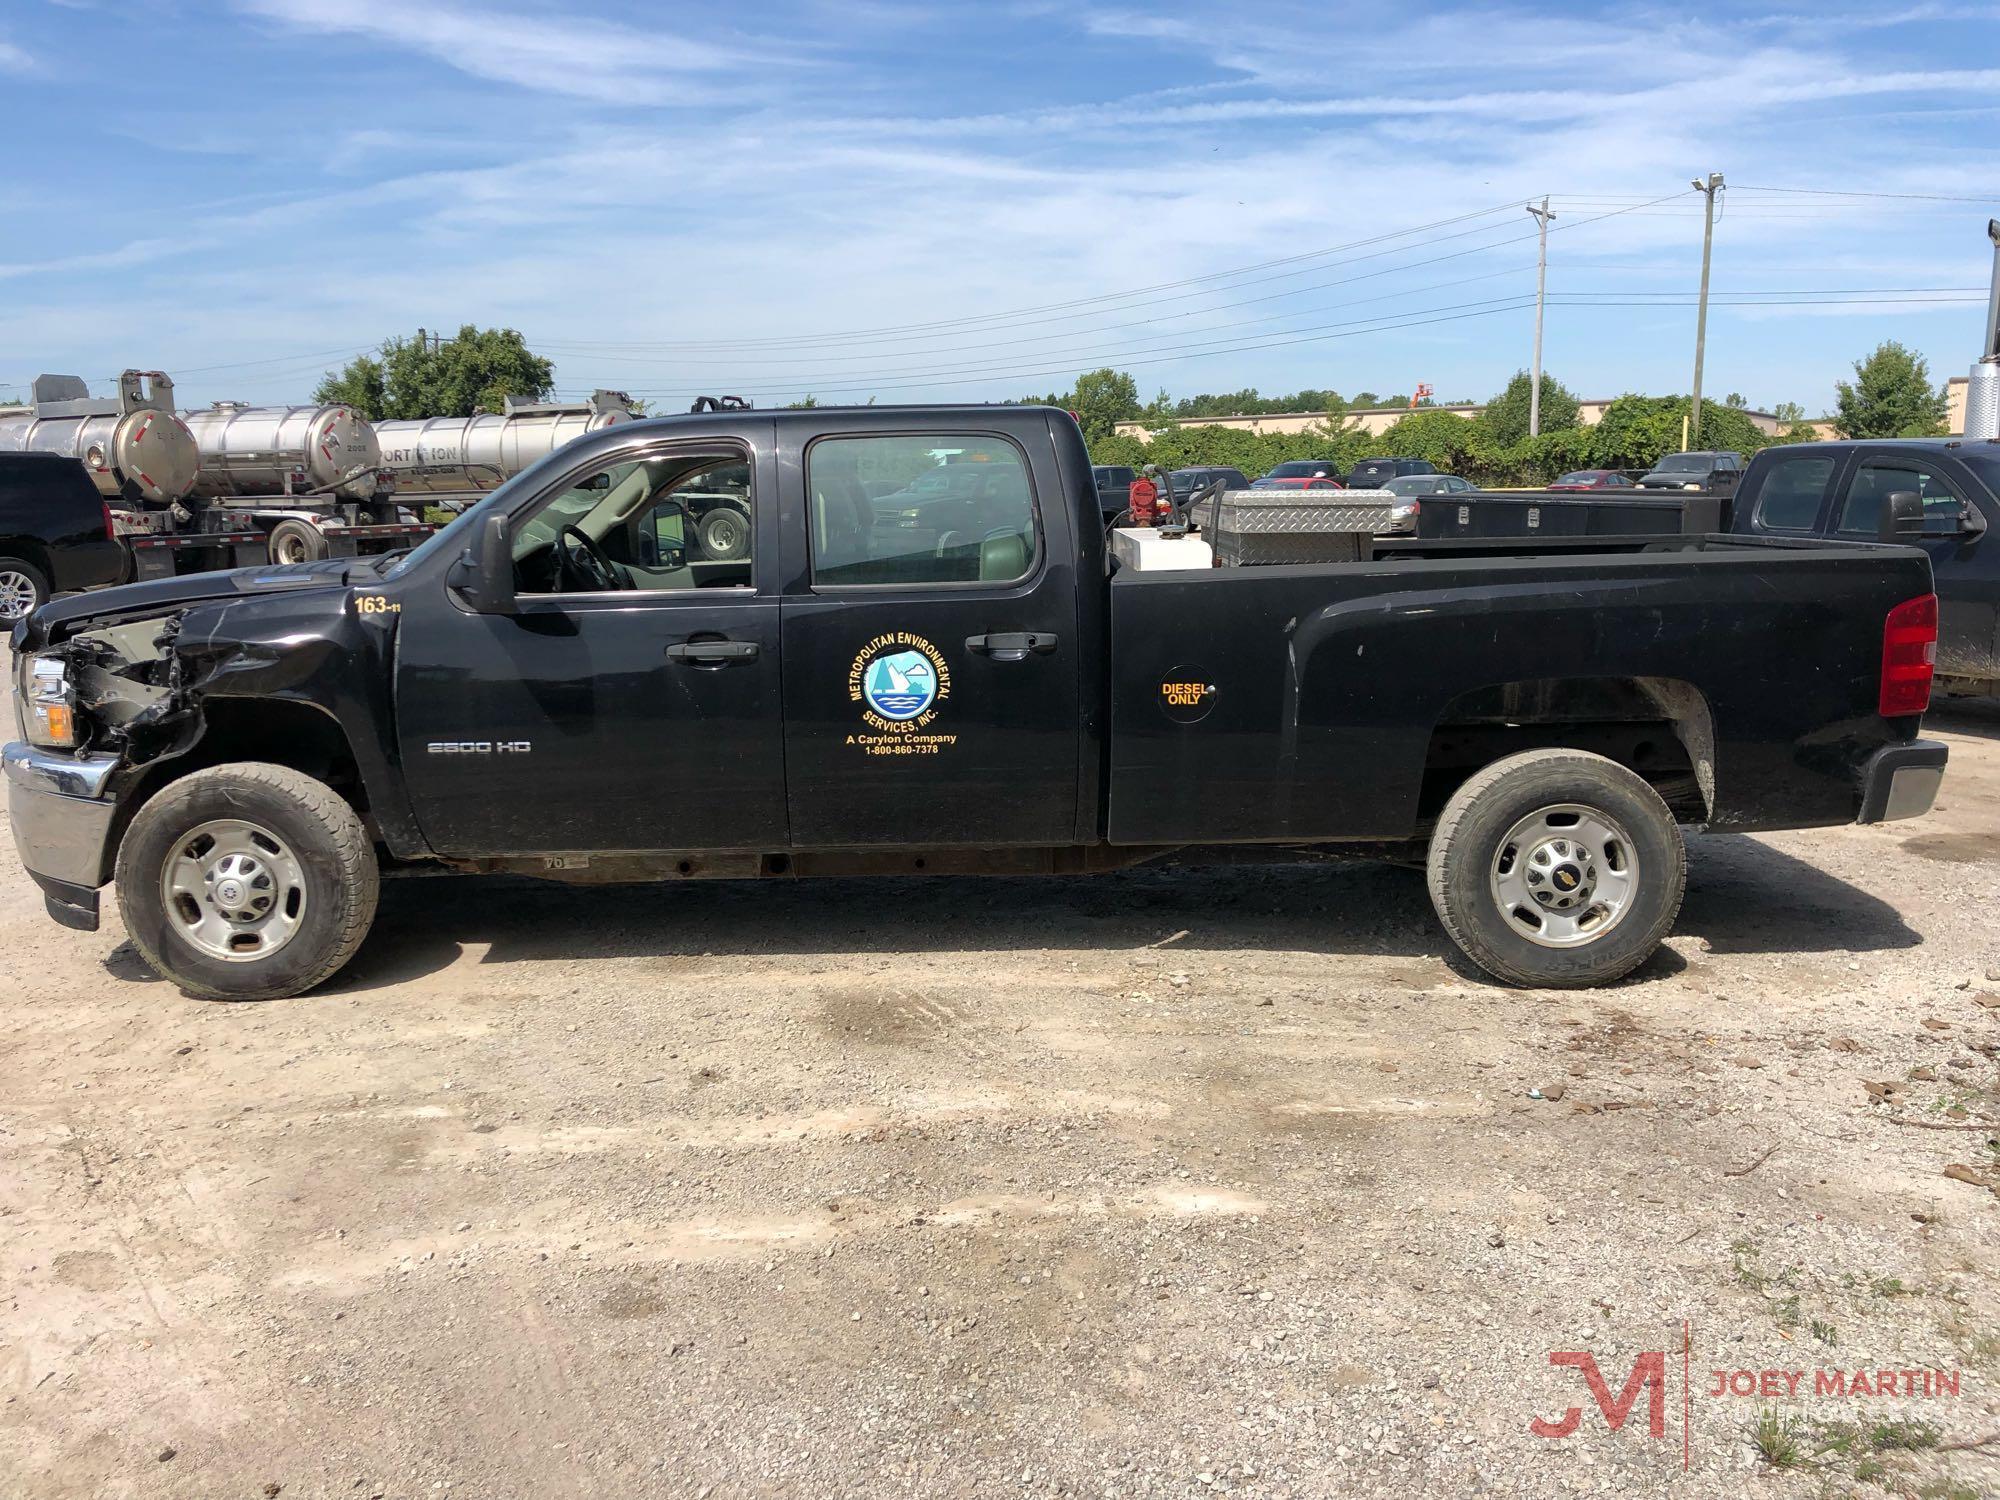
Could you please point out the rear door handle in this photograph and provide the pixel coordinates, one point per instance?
(713, 653)
(1011, 645)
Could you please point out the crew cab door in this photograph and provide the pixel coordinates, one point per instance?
(629, 700)
(930, 641)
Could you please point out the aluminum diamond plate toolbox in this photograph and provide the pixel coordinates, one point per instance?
(1253, 528)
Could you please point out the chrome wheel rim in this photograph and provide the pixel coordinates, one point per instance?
(725, 533)
(17, 595)
(234, 890)
(1565, 875)
(291, 548)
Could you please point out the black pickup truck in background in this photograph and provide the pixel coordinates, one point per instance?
(1833, 490)
(566, 683)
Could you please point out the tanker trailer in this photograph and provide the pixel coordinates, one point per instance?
(134, 446)
(318, 451)
(447, 459)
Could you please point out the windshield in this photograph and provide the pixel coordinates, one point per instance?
(1581, 476)
(1411, 484)
(1684, 463)
(1300, 470)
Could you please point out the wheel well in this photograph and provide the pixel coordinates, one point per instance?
(31, 552)
(1657, 727)
(279, 731)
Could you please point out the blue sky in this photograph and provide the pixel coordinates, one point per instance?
(963, 201)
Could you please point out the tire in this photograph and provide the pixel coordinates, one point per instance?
(1503, 909)
(313, 843)
(724, 534)
(24, 588)
(294, 541)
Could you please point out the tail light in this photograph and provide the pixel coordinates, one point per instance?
(1909, 656)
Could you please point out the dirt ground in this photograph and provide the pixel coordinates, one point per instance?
(1169, 1183)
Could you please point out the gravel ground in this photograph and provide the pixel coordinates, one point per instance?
(1169, 1183)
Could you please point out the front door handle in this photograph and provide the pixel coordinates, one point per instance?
(713, 653)
(1011, 645)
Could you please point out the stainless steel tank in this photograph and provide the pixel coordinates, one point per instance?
(134, 446)
(276, 450)
(455, 455)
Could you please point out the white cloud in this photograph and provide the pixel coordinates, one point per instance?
(548, 51)
(13, 59)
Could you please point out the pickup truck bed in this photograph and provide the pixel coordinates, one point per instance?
(902, 677)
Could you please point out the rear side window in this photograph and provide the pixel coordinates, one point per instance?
(1792, 492)
(1875, 481)
(929, 508)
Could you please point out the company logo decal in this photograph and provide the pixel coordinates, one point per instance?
(901, 683)
(900, 686)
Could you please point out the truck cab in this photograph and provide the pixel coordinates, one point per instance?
(1838, 490)
(917, 656)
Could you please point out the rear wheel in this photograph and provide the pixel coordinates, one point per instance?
(724, 533)
(1557, 868)
(23, 589)
(294, 541)
(247, 882)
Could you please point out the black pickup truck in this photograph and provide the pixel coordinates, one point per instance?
(563, 683)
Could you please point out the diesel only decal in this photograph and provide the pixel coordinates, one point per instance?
(1186, 695)
(900, 683)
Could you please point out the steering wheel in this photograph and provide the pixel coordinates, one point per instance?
(590, 568)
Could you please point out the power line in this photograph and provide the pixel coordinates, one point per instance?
(1989, 199)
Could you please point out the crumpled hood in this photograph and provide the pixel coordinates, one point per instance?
(61, 617)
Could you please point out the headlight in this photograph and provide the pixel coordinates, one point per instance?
(48, 702)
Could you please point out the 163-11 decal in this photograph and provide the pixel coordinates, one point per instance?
(901, 684)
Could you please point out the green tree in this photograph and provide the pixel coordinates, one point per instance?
(1891, 396)
(1637, 430)
(1505, 420)
(473, 371)
(1789, 412)
(1443, 437)
(1101, 400)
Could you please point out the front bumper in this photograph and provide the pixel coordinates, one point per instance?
(1901, 781)
(62, 811)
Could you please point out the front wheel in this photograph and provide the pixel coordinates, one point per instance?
(23, 589)
(247, 881)
(1557, 868)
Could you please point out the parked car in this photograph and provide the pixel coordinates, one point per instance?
(1593, 479)
(1301, 474)
(1427, 484)
(1373, 473)
(1187, 483)
(55, 532)
(1713, 473)
(1114, 488)
(521, 695)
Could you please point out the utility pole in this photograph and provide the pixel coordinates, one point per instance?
(1708, 189)
(1541, 217)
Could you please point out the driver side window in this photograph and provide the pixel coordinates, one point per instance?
(661, 522)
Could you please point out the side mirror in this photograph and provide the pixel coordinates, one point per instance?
(483, 575)
(1902, 516)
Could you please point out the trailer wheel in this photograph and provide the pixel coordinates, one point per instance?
(1557, 868)
(23, 589)
(294, 541)
(724, 534)
(247, 881)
